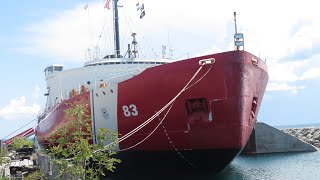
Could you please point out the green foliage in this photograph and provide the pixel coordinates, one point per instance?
(3, 160)
(1, 155)
(36, 175)
(73, 150)
(19, 142)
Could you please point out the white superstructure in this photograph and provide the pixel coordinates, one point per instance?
(94, 74)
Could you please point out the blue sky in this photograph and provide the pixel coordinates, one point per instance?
(36, 34)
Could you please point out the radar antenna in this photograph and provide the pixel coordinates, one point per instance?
(134, 43)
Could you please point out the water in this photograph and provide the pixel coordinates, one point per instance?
(317, 125)
(274, 166)
(251, 167)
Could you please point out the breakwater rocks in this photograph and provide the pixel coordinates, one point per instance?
(310, 135)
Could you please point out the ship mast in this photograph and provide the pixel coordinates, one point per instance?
(238, 37)
(116, 28)
(235, 26)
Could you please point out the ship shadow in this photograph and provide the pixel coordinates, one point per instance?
(174, 174)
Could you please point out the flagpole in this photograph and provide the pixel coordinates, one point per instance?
(116, 28)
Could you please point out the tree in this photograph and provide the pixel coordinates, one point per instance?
(2, 161)
(1, 154)
(73, 150)
(21, 141)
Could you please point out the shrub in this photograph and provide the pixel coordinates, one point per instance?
(73, 150)
(19, 142)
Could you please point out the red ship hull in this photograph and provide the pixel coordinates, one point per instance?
(208, 124)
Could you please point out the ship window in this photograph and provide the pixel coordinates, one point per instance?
(50, 70)
(58, 68)
(117, 62)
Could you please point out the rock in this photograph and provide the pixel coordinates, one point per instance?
(312, 131)
(314, 137)
(309, 135)
(317, 132)
(304, 132)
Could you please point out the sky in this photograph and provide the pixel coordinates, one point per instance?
(35, 34)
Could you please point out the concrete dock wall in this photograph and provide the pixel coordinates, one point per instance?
(50, 170)
(267, 139)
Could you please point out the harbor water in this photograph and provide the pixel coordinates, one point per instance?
(266, 166)
(274, 166)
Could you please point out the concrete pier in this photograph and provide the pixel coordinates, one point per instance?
(267, 139)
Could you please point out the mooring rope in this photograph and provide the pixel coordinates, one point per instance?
(170, 103)
(157, 113)
(33, 127)
(176, 149)
(151, 131)
(165, 115)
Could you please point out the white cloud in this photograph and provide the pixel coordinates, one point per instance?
(284, 87)
(284, 71)
(301, 40)
(63, 36)
(278, 33)
(70, 32)
(19, 109)
(36, 93)
(311, 73)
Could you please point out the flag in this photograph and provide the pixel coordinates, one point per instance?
(141, 8)
(107, 5)
(85, 7)
(143, 13)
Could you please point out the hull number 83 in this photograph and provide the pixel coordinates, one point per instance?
(130, 111)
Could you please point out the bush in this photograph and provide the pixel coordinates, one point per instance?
(4, 178)
(3, 152)
(19, 142)
(73, 150)
(36, 175)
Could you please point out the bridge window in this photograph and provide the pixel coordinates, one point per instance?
(52, 69)
(58, 68)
